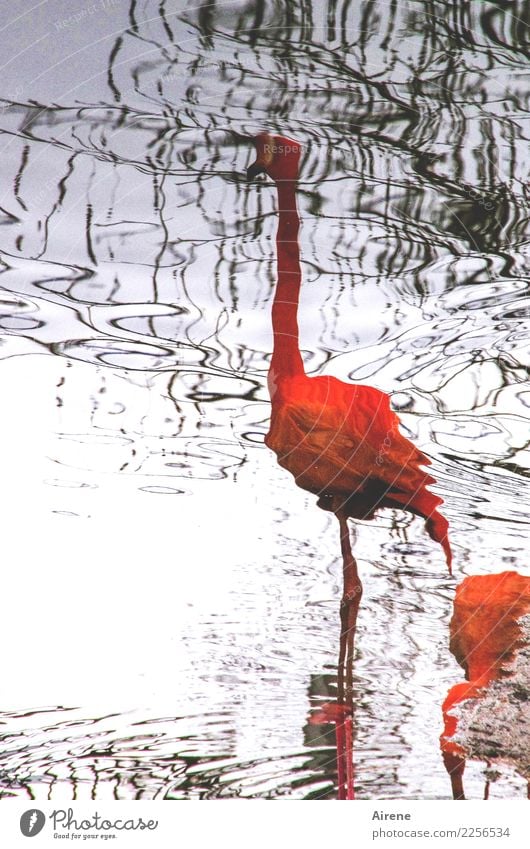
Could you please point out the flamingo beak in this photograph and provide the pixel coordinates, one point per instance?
(256, 168)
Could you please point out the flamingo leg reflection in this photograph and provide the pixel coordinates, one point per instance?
(349, 609)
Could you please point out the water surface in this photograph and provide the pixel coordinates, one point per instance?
(171, 599)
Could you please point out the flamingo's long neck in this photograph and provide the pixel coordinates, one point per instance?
(286, 359)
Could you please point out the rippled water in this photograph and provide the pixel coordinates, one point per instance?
(171, 598)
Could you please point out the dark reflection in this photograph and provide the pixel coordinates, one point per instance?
(488, 716)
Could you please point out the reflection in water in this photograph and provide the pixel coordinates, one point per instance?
(488, 717)
(60, 754)
(339, 441)
(136, 286)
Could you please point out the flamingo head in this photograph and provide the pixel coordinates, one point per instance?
(277, 156)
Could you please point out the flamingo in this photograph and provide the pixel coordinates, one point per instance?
(486, 634)
(340, 441)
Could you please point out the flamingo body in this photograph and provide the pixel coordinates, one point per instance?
(342, 443)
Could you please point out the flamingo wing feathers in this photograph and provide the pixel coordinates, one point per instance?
(342, 442)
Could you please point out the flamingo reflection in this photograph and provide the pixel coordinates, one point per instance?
(487, 632)
(339, 441)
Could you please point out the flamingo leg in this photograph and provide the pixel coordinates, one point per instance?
(349, 609)
(455, 766)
